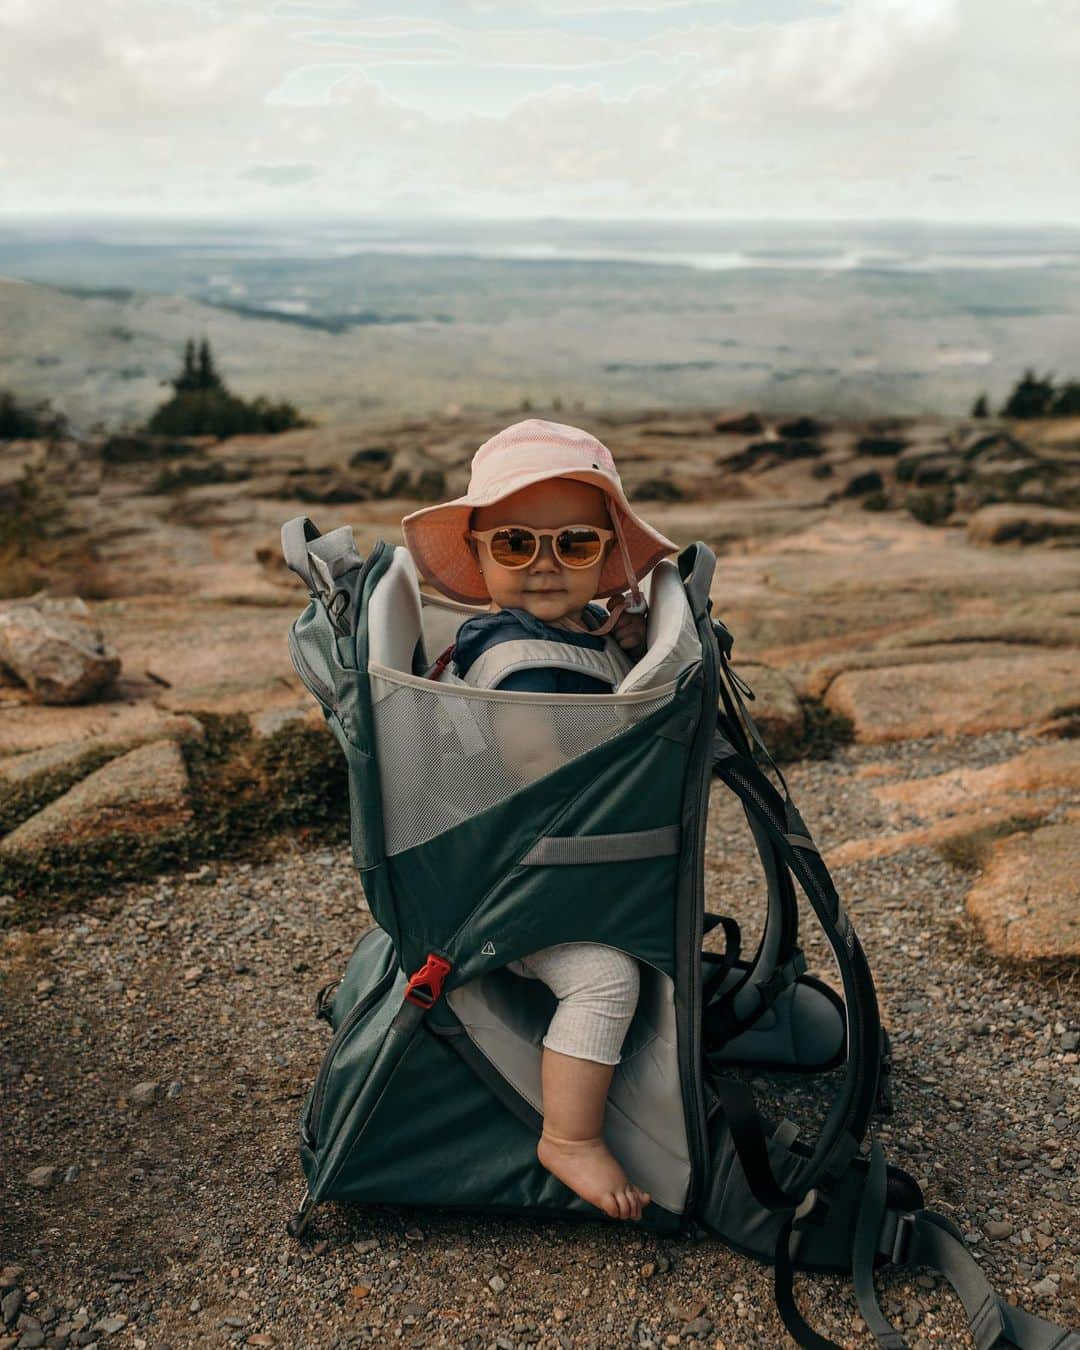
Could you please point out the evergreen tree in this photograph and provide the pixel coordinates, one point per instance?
(188, 379)
(208, 377)
(1067, 403)
(1032, 397)
(981, 407)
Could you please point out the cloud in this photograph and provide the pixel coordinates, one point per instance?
(279, 175)
(962, 108)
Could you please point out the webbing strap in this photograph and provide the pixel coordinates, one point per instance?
(867, 1227)
(937, 1242)
(569, 850)
(800, 1331)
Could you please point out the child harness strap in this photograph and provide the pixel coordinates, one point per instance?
(493, 666)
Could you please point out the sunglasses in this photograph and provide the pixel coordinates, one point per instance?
(517, 546)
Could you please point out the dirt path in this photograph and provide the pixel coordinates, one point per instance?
(163, 1225)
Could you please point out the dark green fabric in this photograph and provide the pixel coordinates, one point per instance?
(403, 1156)
(633, 782)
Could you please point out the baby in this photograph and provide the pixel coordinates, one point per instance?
(544, 528)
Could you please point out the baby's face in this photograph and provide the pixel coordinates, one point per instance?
(545, 588)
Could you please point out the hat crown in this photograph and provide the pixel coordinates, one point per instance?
(555, 446)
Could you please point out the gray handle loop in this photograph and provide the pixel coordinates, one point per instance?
(296, 534)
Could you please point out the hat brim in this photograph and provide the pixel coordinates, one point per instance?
(435, 536)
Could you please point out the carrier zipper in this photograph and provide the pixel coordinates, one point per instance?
(318, 1092)
(313, 681)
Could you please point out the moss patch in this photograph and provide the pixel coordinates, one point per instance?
(22, 800)
(823, 732)
(971, 851)
(243, 789)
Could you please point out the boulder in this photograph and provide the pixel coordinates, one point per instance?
(1027, 901)
(880, 446)
(935, 469)
(142, 793)
(775, 708)
(1045, 776)
(21, 768)
(862, 483)
(909, 460)
(801, 428)
(1001, 816)
(978, 443)
(330, 486)
(813, 678)
(1006, 523)
(739, 424)
(1019, 626)
(56, 649)
(954, 698)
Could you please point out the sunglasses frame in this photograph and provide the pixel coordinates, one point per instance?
(539, 535)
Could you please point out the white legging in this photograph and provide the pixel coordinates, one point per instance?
(597, 989)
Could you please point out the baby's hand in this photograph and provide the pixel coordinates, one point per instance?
(629, 631)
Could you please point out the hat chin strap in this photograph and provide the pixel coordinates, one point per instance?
(637, 602)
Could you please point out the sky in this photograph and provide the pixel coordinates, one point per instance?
(961, 110)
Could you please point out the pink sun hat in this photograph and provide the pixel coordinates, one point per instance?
(522, 454)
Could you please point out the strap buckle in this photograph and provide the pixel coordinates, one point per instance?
(782, 977)
(813, 1210)
(425, 985)
(901, 1243)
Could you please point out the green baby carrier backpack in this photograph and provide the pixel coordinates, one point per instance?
(475, 849)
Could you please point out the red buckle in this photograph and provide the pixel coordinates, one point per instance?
(425, 985)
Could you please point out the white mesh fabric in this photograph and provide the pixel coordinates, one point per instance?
(445, 755)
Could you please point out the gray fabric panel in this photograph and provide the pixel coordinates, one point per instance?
(569, 850)
(506, 1017)
(801, 841)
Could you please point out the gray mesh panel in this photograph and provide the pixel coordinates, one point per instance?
(446, 756)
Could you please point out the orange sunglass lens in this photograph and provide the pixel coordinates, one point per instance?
(513, 548)
(577, 548)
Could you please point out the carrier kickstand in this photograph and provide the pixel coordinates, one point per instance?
(300, 1220)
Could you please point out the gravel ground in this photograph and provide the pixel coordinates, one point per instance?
(157, 1047)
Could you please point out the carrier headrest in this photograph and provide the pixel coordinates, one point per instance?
(393, 614)
(400, 617)
(670, 635)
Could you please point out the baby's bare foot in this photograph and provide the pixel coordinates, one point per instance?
(589, 1169)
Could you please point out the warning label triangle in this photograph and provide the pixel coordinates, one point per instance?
(488, 949)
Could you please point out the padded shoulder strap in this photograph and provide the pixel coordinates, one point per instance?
(492, 666)
(847, 1119)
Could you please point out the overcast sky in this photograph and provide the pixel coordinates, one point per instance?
(932, 109)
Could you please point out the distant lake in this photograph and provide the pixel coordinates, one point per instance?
(817, 316)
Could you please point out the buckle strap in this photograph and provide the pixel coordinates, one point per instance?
(782, 977)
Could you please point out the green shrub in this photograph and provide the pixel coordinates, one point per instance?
(194, 475)
(201, 405)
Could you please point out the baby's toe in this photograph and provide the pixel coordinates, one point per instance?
(609, 1203)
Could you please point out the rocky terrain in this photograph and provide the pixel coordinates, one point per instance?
(175, 878)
